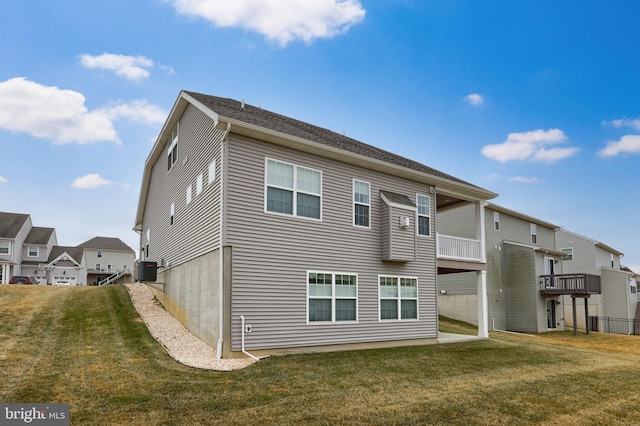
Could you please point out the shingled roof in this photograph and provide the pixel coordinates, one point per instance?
(246, 113)
(11, 224)
(105, 243)
(39, 235)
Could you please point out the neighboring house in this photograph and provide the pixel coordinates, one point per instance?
(14, 229)
(619, 287)
(107, 259)
(30, 250)
(313, 240)
(521, 256)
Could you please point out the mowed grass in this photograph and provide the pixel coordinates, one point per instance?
(88, 347)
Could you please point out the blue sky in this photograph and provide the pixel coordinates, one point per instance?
(534, 100)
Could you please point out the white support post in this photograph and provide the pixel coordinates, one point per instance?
(480, 230)
(483, 305)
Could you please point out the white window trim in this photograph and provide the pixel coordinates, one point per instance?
(399, 299)
(534, 233)
(333, 297)
(496, 221)
(354, 202)
(189, 194)
(418, 218)
(99, 253)
(8, 243)
(211, 175)
(572, 254)
(294, 189)
(172, 214)
(29, 251)
(172, 144)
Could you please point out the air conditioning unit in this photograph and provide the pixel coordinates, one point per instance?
(148, 272)
(404, 222)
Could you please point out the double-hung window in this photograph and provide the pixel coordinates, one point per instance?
(568, 253)
(534, 233)
(172, 151)
(293, 190)
(332, 297)
(424, 214)
(361, 203)
(398, 298)
(5, 247)
(32, 251)
(496, 221)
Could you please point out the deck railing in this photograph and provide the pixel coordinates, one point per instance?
(570, 284)
(457, 248)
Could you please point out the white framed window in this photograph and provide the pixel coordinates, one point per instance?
(534, 233)
(109, 267)
(199, 184)
(172, 151)
(361, 203)
(172, 211)
(331, 297)
(292, 190)
(99, 254)
(5, 247)
(189, 193)
(398, 298)
(568, 253)
(496, 221)
(423, 202)
(98, 266)
(211, 175)
(32, 251)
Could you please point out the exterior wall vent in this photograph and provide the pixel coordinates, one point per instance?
(404, 222)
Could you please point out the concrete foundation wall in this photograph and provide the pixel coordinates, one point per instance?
(461, 307)
(191, 294)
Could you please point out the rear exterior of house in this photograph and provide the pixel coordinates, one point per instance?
(520, 250)
(314, 240)
(619, 294)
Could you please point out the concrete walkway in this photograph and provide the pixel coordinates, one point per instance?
(457, 338)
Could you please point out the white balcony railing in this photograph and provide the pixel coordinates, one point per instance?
(457, 248)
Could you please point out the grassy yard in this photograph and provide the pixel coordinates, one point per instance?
(89, 348)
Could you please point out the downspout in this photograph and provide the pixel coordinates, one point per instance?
(221, 259)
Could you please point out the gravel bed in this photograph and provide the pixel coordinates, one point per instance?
(179, 342)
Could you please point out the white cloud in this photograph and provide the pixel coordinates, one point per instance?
(3, 180)
(474, 99)
(281, 21)
(61, 115)
(530, 146)
(524, 179)
(625, 122)
(90, 181)
(627, 144)
(131, 67)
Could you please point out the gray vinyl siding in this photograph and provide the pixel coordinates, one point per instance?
(398, 244)
(520, 269)
(615, 292)
(603, 258)
(583, 254)
(459, 222)
(196, 226)
(272, 254)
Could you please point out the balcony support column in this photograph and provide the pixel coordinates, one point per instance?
(480, 230)
(586, 314)
(483, 305)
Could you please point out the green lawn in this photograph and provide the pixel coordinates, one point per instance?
(88, 347)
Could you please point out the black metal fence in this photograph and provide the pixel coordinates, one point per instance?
(615, 325)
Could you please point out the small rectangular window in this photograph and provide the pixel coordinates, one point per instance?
(199, 184)
(4, 247)
(189, 193)
(423, 203)
(211, 175)
(361, 203)
(496, 221)
(99, 254)
(172, 150)
(32, 251)
(398, 298)
(568, 253)
(534, 233)
(172, 211)
(97, 267)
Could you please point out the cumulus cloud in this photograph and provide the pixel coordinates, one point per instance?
(530, 146)
(61, 115)
(90, 181)
(624, 122)
(524, 179)
(131, 67)
(3, 180)
(280, 21)
(474, 99)
(629, 144)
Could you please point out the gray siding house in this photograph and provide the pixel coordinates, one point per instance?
(520, 251)
(619, 292)
(312, 240)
